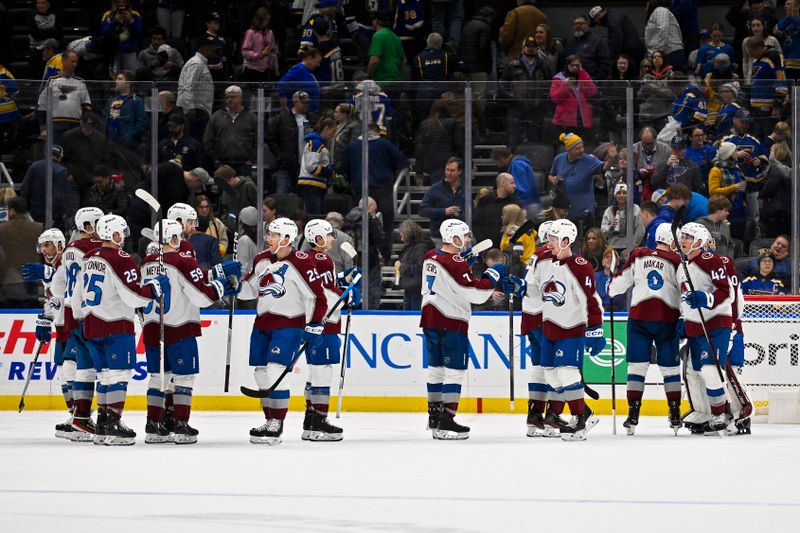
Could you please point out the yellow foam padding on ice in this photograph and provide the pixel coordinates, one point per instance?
(375, 404)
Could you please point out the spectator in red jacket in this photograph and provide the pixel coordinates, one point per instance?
(571, 91)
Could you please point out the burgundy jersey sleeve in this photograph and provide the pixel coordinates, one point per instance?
(193, 273)
(584, 273)
(458, 267)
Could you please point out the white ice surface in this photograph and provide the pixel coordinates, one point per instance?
(388, 475)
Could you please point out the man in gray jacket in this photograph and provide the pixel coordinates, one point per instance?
(231, 135)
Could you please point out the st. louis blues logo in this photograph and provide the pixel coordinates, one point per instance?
(554, 291)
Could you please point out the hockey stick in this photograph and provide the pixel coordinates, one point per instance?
(259, 393)
(231, 307)
(484, 245)
(350, 251)
(526, 227)
(30, 374)
(613, 268)
(685, 263)
(148, 198)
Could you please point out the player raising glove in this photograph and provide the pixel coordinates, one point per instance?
(496, 273)
(37, 271)
(515, 285)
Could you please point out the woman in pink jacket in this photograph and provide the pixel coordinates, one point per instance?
(571, 92)
(259, 49)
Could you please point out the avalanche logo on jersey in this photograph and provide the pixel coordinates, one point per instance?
(654, 280)
(554, 291)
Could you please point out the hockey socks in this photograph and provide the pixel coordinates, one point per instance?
(538, 389)
(183, 402)
(451, 390)
(155, 403)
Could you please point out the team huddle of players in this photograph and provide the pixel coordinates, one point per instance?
(95, 290)
(562, 317)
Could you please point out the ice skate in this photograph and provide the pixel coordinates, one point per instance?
(536, 427)
(743, 427)
(268, 433)
(117, 433)
(449, 429)
(591, 420)
(716, 427)
(306, 435)
(322, 430)
(633, 417)
(184, 433)
(553, 424)
(675, 415)
(578, 426)
(156, 433)
(83, 429)
(434, 414)
(64, 430)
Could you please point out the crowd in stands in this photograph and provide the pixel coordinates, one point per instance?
(550, 112)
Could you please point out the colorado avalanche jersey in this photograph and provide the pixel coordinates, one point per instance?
(570, 303)
(55, 290)
(737, 297)
(539, 266)
(448, 291)
(327, 271)
(71, 258)
(110, 292)
(188, 293)
(708, 273)
(654, 277)
(302, 282)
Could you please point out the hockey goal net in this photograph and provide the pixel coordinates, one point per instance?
(771, 372)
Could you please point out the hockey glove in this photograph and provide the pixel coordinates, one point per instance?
(276, 290)
(225, 270)
(44, 325)
(495, 273)
(159, 286)
(37, 271)
(469, 256)
(313, 335)
(736, 354)
(224, 287)
(354, 297)
(680, 329)
(698, 299)
(345, 278)
(515, 285)
(595, 340)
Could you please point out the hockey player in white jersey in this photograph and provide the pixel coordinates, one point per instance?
(654, 313)
(111, 292)
(572, 320)
(540, 395)
(706, 314)
(448, 291)
(188, 293)
(51, 244)
(284, 281)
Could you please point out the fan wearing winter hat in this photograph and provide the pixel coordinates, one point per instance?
(726, 179)
(765, 282)
(729, 96)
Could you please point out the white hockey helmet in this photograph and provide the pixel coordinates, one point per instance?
(88, 215)
(698, 232)
(54, 236)
(563, 229)
(183, 213)
(544, 229)
(152, 249)
(171, 229)
(452, 228)
(108, 225)
(284, 227)
(664, 234)
(317, 228)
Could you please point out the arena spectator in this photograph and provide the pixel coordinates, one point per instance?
(159, 61)
(696, 208)
(601, 279)
(781, 134)
(594, 247)
(663, 33)
(623, 35)
(764, 281)
(34, 191)
(521, 170)
(319, 18)
(520, 22)
(348, 127)
(728, 96)
(374, 240)
(206, 247)
(615, 222)
(9, 114)
(654, 96)
(107, 195)
(757, 28)
(549, 47)
(316, 167)
(769, 92)
(125, 116)
(341, 261)
(649, 154)
(662, 70)
(300, 78)
(16, 237)
(787, 31)
(247, 246)
(574, 172)
(386, 56)
(476, 38)
(409, 263)
(690, 108)
(676, 196)
(43, 24)
(717, 224)
(430, 68)
(170, 15)
(216, 228)
(438, 139)
(181, 145)
(741, 16)
(218, 63)
(232, 134)
(726, 179)
(783, 262)
(446, 20)
(70, 98)
(679, 169)
(685, 12)
(715, 46)
(701, 152)
(591, 49)
(167, 101)
(775, 196)
(122, 25)
(196, 88)
(238, 193)
(52, 59)
(84, 148)
(489, 207)
(512, 217)
(526, 101)
(269, 210)
(285, 136)
(445, 199)
(649, 216)
(259, 49)
(571, 91)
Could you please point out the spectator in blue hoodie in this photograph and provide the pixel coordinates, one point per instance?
(123, 24)
(521, 169)
(125, 117)
(301, 78)
(205, 246)
(445, 199)
(677, 196)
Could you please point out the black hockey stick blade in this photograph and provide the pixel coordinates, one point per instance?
(676, 223)
(590, 392)
(524, 229)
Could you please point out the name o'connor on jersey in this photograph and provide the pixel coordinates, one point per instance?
(709, 275)
(570, 303)
(448, 291)
(653, 275)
